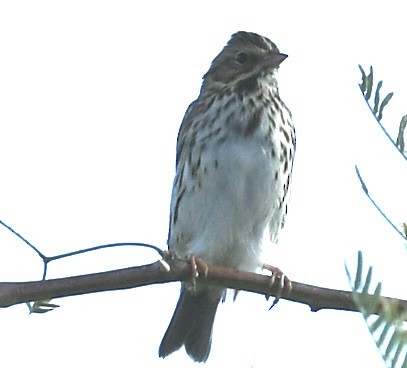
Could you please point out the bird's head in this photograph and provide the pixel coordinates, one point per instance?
(245, 59)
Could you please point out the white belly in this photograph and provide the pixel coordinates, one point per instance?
(223, 220)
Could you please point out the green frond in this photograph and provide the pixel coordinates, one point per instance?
(400, 136)
(386, 328)
(377, 106)
(367, 88)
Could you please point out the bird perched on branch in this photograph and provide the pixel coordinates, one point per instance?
(234, 160)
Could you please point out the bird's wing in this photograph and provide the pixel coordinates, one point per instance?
(184, 140)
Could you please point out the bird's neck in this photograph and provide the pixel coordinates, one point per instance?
(255, 84)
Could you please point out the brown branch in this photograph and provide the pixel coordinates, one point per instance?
(316, 298)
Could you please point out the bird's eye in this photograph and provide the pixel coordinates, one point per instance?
(242, 57)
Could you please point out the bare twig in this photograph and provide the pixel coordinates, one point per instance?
(47, 259)
(364, 187)
(169, 270)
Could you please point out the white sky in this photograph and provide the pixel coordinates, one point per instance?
(92, 94)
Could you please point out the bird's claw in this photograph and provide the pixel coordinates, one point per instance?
(198, 268)
(166, 259)
(279, 283)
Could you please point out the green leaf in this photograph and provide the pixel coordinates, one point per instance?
(368, 280)
(383, 104)
(377, 97)
(363, 84)
(398, 352)
(378, 289)
(400, 136)
(359, 270)
(376, 324)
(369, 85)
(383, 335)
(393, 344)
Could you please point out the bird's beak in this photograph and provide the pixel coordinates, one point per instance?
(274, 59)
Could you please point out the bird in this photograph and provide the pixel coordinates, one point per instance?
(234, 159)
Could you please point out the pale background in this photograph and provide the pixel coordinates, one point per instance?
(91, 97)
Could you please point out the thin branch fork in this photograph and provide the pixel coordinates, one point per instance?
(170, 270)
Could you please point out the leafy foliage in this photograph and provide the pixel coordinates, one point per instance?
(377, 105)
(387, 328)
(367, 87)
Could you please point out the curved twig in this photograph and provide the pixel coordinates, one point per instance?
(364, 187)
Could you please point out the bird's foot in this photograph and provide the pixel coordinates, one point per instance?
(198, 268)
(279, 283)
(166, 259)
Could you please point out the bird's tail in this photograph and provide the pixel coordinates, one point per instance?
(191, 325)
